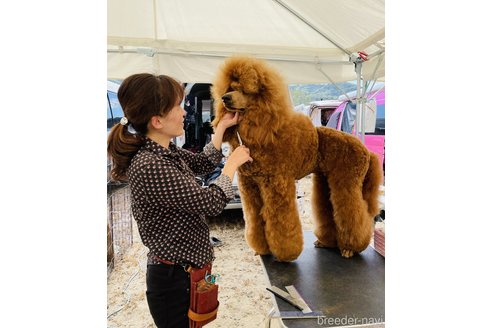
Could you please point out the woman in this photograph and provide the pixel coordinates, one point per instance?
(168, 204)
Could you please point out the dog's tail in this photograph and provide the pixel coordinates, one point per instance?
(370, 189)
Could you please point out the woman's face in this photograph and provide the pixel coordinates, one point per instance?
(173, 122)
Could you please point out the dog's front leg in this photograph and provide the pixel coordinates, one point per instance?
(283, 230)
(252, 204)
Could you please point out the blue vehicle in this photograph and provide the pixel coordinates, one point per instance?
(114, 115)
(115, 112)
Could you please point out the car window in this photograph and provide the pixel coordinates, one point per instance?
(115, 112)
(380, 118)
(348, 117)
(333, 121)
(109, 116)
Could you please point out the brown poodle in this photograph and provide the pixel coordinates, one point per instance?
(286, 147)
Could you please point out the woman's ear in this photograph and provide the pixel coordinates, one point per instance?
(156, 122)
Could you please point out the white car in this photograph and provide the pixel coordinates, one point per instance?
(236, 202)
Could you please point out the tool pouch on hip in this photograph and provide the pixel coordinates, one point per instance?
(204, 301)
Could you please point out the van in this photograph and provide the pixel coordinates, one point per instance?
(341, 116)
(343, 119)
(321, 111)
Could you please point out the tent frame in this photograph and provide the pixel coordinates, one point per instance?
(354, 58)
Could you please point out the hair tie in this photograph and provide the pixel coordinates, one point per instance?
(131, 129)
(124, 121)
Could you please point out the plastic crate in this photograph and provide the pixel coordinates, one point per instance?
(379, 241)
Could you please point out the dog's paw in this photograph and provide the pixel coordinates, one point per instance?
(319, 244)
(288, 258)
(347, 253)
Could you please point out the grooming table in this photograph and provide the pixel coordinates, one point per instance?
(348, 292)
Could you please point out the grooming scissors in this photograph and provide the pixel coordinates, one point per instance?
(239, 138)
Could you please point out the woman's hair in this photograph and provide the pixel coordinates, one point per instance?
(141, 96)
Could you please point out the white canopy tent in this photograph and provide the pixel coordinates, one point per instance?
(309, 41)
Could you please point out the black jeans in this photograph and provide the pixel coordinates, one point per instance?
(168, 295)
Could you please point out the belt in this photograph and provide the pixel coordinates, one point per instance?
(186, 267)
(164, 261)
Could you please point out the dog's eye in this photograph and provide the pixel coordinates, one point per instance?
(235, 86)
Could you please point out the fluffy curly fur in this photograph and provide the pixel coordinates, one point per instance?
(286, 147)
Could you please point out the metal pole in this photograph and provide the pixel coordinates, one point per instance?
(359, 112)
(318, 67)
(311, 25)
(373, 77)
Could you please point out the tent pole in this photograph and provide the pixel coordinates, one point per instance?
(332, 82)
(359, 113)
(154, 12)
(373, 76)
(292, 11)
(271, 57)
(376, 92)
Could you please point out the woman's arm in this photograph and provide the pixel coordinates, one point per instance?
(166, 185)
(218, 136)
(206, 161)
(228, 120)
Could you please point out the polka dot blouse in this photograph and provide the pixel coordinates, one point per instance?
(168, 204)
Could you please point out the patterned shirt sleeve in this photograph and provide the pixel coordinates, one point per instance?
(204, 162)
(165, 184)
(225, 184)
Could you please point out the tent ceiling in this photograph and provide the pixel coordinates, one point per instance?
(307, 40)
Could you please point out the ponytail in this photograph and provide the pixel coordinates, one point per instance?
(122, 146)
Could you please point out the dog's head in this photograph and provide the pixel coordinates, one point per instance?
(252, 88)
(240, 80)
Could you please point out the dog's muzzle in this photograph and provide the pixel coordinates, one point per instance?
(228, 104)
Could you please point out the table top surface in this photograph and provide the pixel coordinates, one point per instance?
(347, 291)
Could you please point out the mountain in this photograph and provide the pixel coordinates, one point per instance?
(305, 93)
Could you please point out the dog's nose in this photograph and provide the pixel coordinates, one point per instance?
(226, 98)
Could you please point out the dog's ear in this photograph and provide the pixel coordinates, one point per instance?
(257, 77)
(249, 80)
(217, 91)
(263, 122)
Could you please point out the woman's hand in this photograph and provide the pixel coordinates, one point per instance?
(229, 119)
(239, 156)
